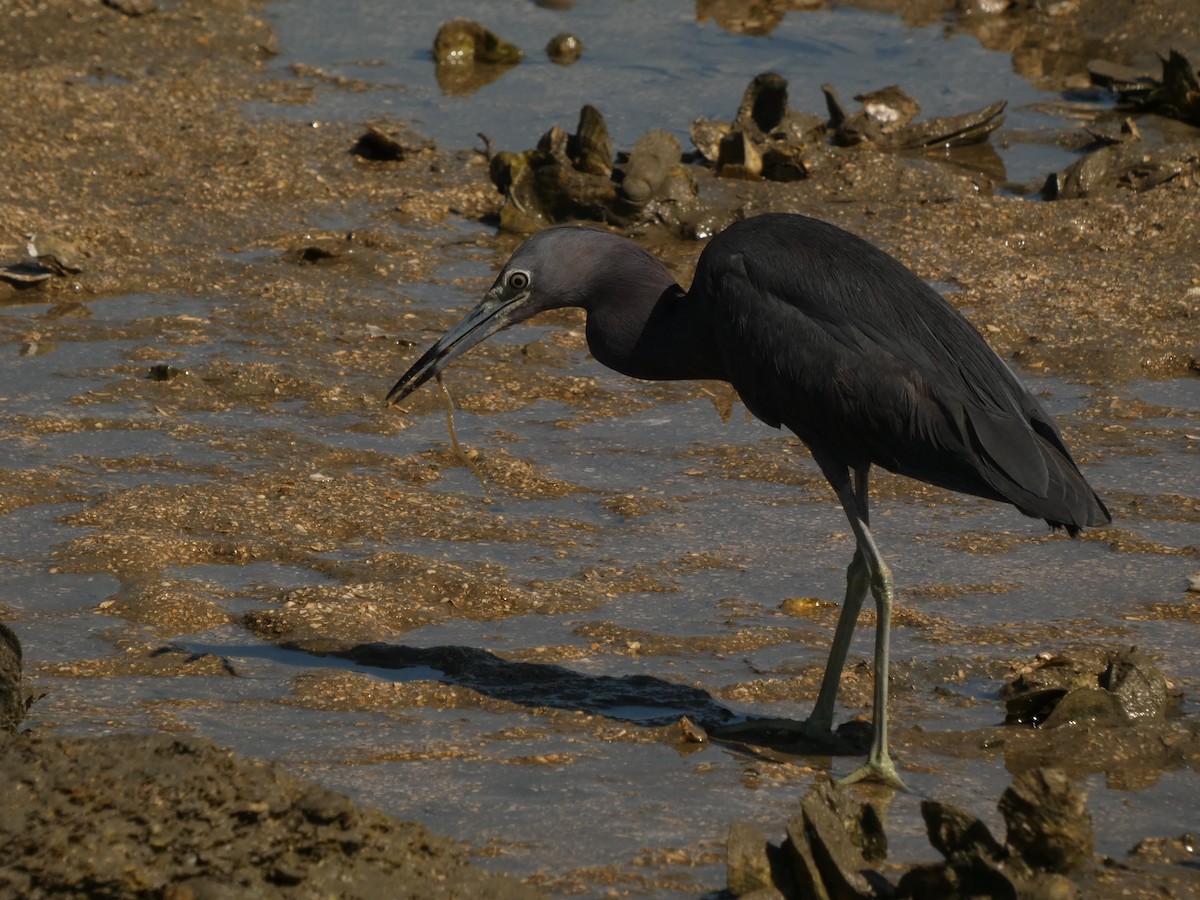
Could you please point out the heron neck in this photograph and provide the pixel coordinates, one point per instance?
(654, 334)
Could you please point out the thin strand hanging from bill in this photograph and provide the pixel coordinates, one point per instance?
(470, 463)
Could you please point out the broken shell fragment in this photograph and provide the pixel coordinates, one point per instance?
(892, 107)
(385, 141)
(591, 149)
(58, 256)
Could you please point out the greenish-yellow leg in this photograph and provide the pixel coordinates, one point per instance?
(867, 572)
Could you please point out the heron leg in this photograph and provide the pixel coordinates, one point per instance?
(858, 583)
(867, 568)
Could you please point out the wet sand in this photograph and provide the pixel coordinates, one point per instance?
(196, 225)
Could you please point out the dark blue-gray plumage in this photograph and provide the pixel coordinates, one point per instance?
(823, 333)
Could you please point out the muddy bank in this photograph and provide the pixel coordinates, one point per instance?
(159, 815)
(197, 445)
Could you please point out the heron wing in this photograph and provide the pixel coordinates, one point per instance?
(877, 363)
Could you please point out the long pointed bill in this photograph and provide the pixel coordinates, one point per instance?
(494, 313)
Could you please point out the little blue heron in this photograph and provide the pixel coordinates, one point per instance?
(824, 333)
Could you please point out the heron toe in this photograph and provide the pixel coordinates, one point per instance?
(882, 771)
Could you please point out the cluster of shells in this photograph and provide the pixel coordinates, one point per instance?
(578, 176)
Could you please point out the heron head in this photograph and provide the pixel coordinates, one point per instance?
(555, 268)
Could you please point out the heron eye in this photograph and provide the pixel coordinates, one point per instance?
(518, 281)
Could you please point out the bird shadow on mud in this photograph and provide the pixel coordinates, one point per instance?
(641, 700)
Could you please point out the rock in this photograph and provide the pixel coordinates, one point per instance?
(1137, 685)
(706, 136)
(748, 867)
(957, 834)
(1031, 697)
(1086, 706)
(1115, 163)
(1082, 177)
(981, 7)
(469, 56)
(828, 853)
(1064, 690)
(1049, 826)
(975, 861)
(546, 185)
(1181, 849)
(847, 128)
(1038, 808)
(929, 880)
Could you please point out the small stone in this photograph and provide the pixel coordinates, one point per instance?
(564, 49)
(688, 732)
(463, 42)
(164, 372)
(377, 144)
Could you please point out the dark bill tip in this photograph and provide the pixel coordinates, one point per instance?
(489, 316)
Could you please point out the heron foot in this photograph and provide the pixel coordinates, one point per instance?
(881, 770)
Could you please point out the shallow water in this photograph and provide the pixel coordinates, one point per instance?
(564, 780)
(659, 67)
(611, 803)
